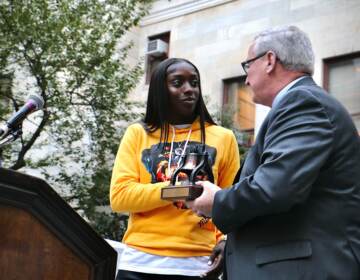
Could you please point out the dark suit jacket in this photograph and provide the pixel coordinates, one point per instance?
(295, 212)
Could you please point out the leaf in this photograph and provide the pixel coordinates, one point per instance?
(67, 52)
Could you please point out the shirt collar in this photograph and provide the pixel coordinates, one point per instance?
(282, 93)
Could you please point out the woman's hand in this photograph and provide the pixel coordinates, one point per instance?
(216, 262)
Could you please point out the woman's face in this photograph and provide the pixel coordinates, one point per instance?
(183, 85)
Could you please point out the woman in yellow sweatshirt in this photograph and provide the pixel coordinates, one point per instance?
(163, 240)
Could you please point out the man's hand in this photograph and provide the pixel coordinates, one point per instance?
(202, 206)
(216, 262)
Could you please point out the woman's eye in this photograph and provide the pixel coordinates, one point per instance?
(179, 82)
(194, 83)
(176, 83)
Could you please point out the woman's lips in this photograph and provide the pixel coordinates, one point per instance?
(189, 100)
(189, 103)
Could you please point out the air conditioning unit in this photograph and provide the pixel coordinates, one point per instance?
(157, 47)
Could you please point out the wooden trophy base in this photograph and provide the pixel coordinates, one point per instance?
(179, 193)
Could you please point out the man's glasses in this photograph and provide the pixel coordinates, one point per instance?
(247, 63)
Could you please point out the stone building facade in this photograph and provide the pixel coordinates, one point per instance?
(215, 36)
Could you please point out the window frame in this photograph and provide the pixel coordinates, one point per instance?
(326, 71)
(225, 100)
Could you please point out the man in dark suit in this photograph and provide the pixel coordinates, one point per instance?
(295, 211)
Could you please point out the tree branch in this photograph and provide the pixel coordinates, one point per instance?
(20, 162)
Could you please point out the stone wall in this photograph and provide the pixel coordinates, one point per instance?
(215, 34)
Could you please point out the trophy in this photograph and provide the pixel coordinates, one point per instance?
(193, 167)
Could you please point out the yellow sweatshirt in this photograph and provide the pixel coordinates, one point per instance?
(156, 226)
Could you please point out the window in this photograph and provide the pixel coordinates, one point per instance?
(342, 80)
(157, 50)
(238, 110)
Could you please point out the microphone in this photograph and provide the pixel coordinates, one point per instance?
(34, 103)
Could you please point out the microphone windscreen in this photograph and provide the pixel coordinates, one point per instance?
(38, 101)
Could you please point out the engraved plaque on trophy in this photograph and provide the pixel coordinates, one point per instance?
(182, 185)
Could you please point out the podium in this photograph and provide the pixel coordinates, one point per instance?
(42, 237)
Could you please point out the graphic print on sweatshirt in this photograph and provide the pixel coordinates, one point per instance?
(156, 160)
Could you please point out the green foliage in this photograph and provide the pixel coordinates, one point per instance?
(72, 53)
(224, 116)
(5, 91)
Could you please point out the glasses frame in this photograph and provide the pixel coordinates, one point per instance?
(247, 63)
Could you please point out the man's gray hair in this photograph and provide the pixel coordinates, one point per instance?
(291, 46)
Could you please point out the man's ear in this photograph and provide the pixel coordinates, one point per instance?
(271, 62)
